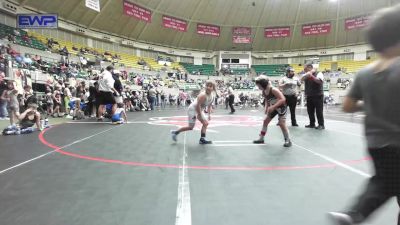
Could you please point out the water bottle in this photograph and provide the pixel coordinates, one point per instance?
(42, 124)
(46, 123)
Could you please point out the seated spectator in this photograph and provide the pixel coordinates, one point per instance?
(26, 39)
(82, 50)
(50, 43)
(141, 62)
(78, 113)
(37, 58)
(30, 117)
(3, 50)
(12, 52)
(11, 38)
(27, 120)
(64, 51)
(119, 115)
(16, 32)
(56, 43)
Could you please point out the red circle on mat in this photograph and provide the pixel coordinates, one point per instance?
(160, 165)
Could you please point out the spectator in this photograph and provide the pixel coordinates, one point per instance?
(152, 97)
(64, 51)
(81, 90)
(29, 118)
(57, 101)
(10, 95)
(231, 97)
(49, 102)
(3, 102)
(92, 102)
(26, 96)
(374, 91)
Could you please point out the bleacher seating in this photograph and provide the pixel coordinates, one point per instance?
(297, 68)
(126, 59)
(177, 66)
(350, 66)
(325, 66)
(240, 71)
(34, 43)
(39, 41)
(205, 69)
(271, 70)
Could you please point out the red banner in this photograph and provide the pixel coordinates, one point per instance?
(241, 39)
(356, 22)
(206, 29)
(276, 32)
(241, 31)
(136, 11)
(174, 23)
(316, 29)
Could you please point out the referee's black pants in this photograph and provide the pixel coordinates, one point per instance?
(291, 102)
(315, 105)
(231, 102)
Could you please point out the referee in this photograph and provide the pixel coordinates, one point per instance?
(105, 94)
(315, 96)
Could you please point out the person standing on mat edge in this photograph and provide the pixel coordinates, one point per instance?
(315, 96)
(288, 85)
(196, 111)
(374, 91)
(231, 98)
(275, 104)
(106, 89)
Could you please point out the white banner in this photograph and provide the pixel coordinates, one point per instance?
(93, 4)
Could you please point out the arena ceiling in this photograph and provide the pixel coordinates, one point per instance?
(227, 14)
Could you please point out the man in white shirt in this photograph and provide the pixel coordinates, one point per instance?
(288, 85)
(106, 90)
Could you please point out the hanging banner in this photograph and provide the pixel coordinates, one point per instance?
(138, 12)
(241, 31)
(316, 29)
(276, 32)
(93, 4)
(241, 39)
(356, 22)
(206, 29)
(174, 23)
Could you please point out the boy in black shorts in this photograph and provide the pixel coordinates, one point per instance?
(275, 104)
